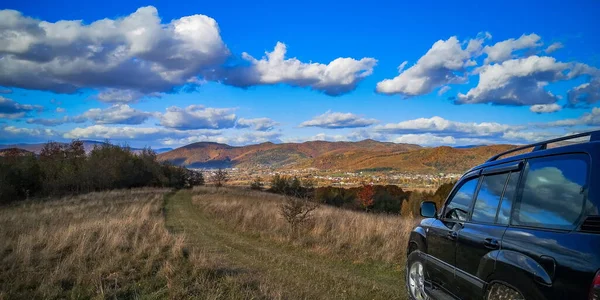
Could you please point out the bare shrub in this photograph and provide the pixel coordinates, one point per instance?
(220, 177)
(257, 184)
(297, 211)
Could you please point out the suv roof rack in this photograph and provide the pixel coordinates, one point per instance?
(594, 136)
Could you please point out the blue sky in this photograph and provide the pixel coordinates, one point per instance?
(176, 73)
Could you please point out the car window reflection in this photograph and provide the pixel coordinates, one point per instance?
(458, 207)
(488, 198)
(553, 192)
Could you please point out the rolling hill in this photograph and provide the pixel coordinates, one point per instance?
(14, 152)
(208, 154)
(345, 156)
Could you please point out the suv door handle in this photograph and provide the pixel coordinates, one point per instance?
(452, 235)
(491, 243)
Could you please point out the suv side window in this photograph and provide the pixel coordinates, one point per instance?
(459, 205)
(554, 192)
(508, 198)
(488, 198)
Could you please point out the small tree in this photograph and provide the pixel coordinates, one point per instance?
(366, 196)
(220, 178)
(195, 178)
(295, 187)
(279, 184)
(256, 184)
(308, 188)
(297, 211)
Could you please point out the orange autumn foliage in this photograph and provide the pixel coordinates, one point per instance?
(366, 196)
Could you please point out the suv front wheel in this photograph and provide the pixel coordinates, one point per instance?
(415, 277)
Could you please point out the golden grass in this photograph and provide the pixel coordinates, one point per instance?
(103, 245)
(356, 235)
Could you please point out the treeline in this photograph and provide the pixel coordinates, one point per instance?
(372, 198)
(62, 169)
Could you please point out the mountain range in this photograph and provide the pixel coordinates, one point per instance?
(366, 155)
(343, 156)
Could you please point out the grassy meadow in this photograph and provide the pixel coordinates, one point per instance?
(197, 244)
(330, 231)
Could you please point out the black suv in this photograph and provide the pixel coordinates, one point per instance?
(522, 227)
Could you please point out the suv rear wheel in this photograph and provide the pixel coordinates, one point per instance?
(501, 292)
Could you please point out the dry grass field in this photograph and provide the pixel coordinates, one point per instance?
(355, 235)
(109, 245)
(200, 244)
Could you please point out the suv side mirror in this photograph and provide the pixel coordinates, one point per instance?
(428, 209)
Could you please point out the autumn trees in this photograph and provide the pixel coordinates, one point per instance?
(372, 198)
(67, 169)
(366, 196)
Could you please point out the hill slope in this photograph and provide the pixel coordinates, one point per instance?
(208, 154)
(346, 156)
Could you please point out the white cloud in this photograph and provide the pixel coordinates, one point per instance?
(519, 81)
(28, 131)
(319, 137)
(330, 138)
(116, 114)
(60, 110)
(251, 138)
(527, 137)
(198, 117)
(364, 134)
(9, 109)
(12, 134)
(336, 120)
(335, 78)
(55, 122)
(439, 131)
(545, 108)
(441, 65)
(111, 95)
(425, 139)
(443, 90)
(553, 47)
(106, 132)
(131, 132)
(585, 94)
(441, 125)
(136, 52)
(259, 124)
(504, 50)
(587, 119)
(234, 140)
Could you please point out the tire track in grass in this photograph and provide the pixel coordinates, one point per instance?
(288, 272)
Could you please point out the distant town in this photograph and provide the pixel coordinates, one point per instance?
(337, 178)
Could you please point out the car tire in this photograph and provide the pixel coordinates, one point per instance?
(498, 291)
(415, 276)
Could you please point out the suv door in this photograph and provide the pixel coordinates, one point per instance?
(480, 237)
(443, 232)
(542, 251)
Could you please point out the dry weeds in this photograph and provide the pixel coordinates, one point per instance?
(356, 235)
(102, 245)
